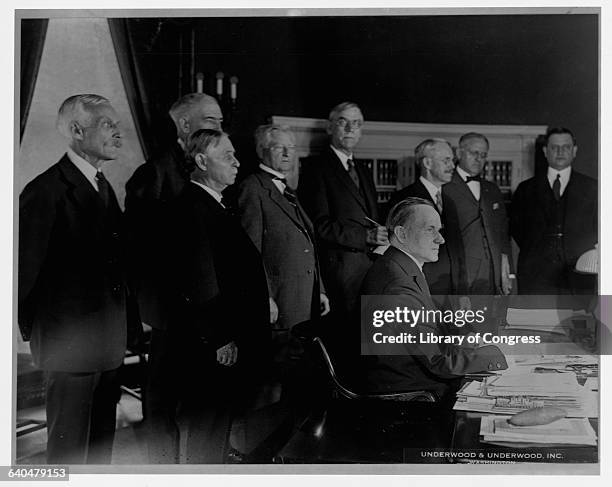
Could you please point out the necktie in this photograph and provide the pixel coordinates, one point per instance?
(439, 201)
(290, 195)
(556, 187)
(353, 172)
(103, 188)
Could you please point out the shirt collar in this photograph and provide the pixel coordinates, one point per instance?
(343, 157)
(210, 191)
(420, 266)
(431, 188)
(85, 167)
(563, 173)
(267, 169)
(464, 174)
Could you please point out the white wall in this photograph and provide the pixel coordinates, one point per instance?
(78, 57)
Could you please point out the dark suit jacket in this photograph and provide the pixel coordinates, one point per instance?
(338, 210)
(438, 274)
(219, 292)
(72, 287)
(464, 232)
(425, 366)
(154, 185)
(286, 244)
(532, 214)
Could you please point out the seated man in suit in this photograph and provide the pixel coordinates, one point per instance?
(435, 160)
(554, 220)
(475, 223)
(414, 227)
(218, 340)
(72, 284)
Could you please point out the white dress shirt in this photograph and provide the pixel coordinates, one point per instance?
(473, 185)
(564, 177)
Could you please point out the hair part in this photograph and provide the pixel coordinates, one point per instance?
(263, 136)
(78, 108)
(559, 130)
(402, 212)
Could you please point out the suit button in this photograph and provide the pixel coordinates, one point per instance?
(306, 251)
(498, 365)
(116, 288)
(309, 271)
(490, 366)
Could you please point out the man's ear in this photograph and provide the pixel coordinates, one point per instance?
(200, 160)
(184, 125)
(76, 131)
(545, 152)
(400, 233)
(328, 127)
(575, 151)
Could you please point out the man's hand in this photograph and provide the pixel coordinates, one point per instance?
(273, 311)
(227, 354)
(377, 236)
(324, 301)
(506, 282)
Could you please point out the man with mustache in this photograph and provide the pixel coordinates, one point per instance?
(72, 284)
(554, 219)
(435, 159)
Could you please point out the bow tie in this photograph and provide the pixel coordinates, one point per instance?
(473, 178)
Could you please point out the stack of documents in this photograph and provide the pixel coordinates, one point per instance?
(516, 391)
(567, 431)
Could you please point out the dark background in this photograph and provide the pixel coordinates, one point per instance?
(493, 69)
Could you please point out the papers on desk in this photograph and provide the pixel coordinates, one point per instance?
(570, 431)
(516, 391)
(542, 320)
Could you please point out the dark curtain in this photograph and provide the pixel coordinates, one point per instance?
(33, 33)
(134, 83)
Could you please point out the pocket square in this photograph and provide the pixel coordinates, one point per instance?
(496, 206)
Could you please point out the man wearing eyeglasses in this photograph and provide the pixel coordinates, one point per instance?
(554, 219)
(282, 232)
(339, 195)
(476, 224)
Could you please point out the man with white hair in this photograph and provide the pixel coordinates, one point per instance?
(72, 287)
(434, 157)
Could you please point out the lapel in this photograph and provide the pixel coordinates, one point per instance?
(81, 191)
(421, 192)
(545, 195)
(278, 199)
(463, 190)
(410, 268)
(338, 170)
